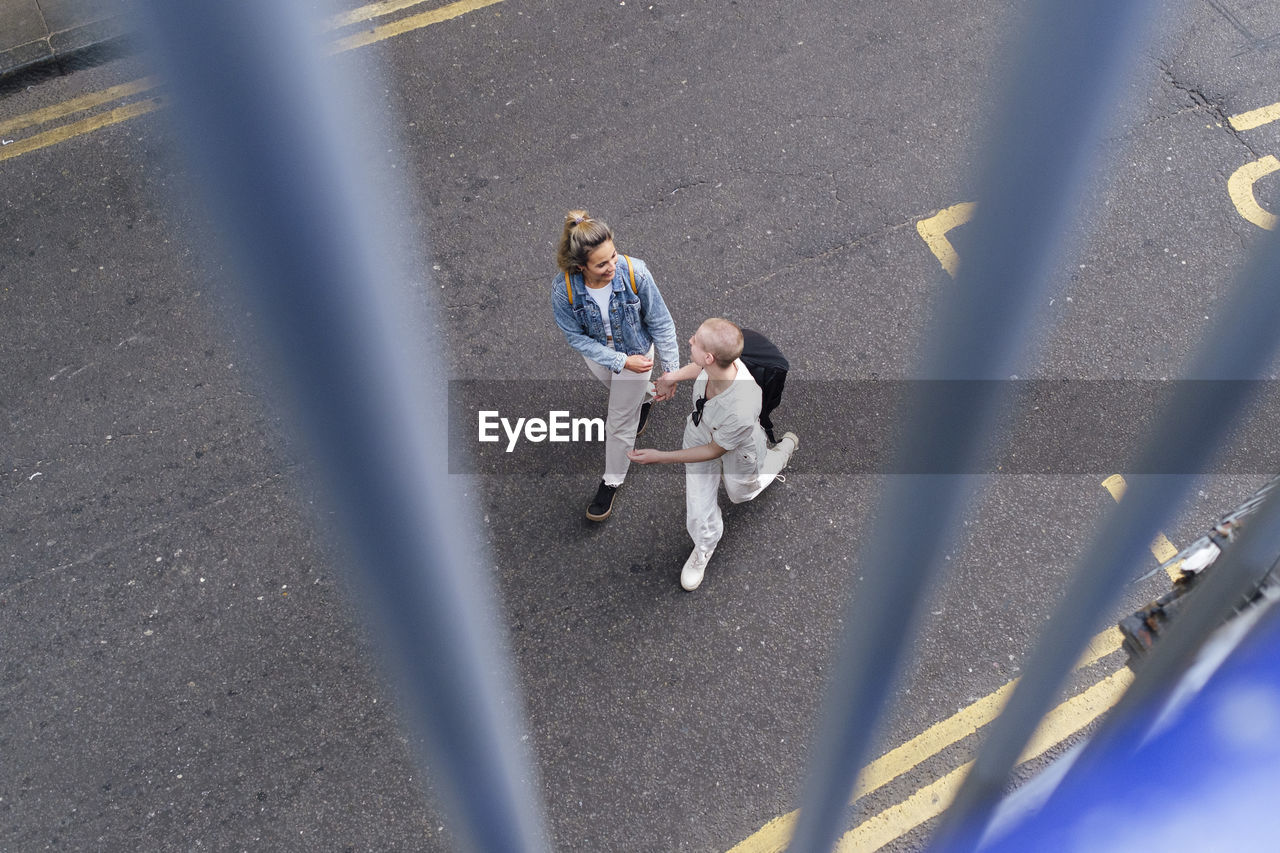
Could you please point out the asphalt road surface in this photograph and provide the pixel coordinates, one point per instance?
(181, 662)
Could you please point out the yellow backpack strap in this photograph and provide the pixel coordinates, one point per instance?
(568, 288)
(631, 270)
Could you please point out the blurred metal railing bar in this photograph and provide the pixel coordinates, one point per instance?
(1240, 345)
(1069, 65)
(282, 149)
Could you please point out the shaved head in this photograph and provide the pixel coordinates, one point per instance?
(722, 339)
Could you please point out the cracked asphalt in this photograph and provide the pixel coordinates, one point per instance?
(181, 662)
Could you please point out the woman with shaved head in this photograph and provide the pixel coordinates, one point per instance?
(723, 439)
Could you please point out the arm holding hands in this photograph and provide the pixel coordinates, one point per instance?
(701, 453)
(665, 385)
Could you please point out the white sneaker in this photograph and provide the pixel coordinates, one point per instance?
(787, 446)
(694, 567)
(795, 443)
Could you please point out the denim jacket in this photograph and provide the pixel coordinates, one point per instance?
(637, 319)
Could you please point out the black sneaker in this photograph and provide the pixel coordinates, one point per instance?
(644, 417)
(602, 504)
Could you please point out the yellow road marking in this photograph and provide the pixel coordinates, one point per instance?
(1100, 646)
(75, 105)
(1161, 547)
(1240, 188)
(370, 11)
(79, 128)
(930, 801)
(125, 90)
(934, 230)
(1255, 118)
(413, 22)
(774, 835)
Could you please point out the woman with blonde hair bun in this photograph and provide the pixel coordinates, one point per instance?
(611, 311)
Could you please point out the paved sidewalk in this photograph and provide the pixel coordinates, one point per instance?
(38, 32)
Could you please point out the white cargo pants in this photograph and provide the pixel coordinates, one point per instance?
(746, 471)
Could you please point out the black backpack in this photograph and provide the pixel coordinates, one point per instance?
(768, 366)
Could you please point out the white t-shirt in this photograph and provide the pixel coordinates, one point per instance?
(601, 296)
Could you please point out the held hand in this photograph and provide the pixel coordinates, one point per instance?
(644, 455)
(664, 387)
(638, 363)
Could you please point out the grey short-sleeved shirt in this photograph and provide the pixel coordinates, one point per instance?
(732, 417)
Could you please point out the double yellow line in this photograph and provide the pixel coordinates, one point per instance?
(401, 26)
(61, 133)
(930, 801)
(360, 17)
